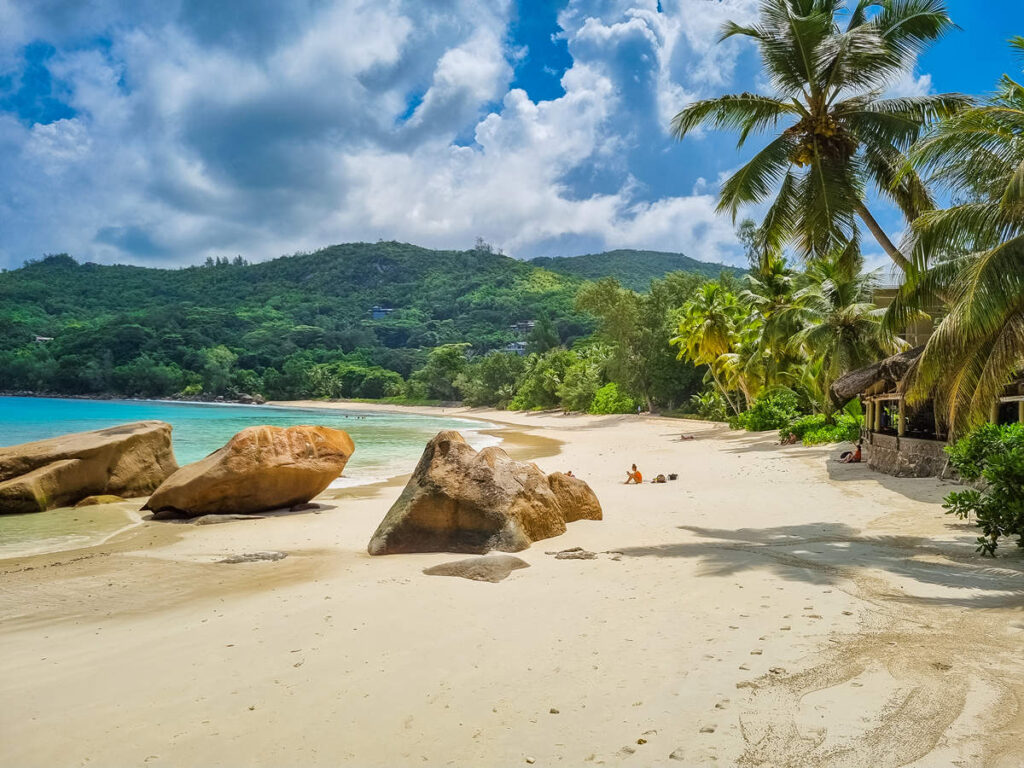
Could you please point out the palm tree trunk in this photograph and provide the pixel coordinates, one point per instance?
(724, 393)
(883, 239)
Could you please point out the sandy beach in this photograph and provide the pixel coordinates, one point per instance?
(769, 608)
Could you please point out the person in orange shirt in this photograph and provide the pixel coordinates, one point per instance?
(634, 476)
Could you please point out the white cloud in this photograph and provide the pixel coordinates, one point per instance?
(196, 136)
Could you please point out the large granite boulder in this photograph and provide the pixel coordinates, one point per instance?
(261, 468)
(459, 500)
(128, 460)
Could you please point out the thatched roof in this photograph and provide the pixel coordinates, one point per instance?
(890, 372)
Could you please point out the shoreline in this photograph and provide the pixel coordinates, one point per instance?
(769, 607)
(519, 444)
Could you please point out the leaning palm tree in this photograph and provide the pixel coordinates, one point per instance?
(707, 331)
(841, 134)
(977, 250)
(841, 325)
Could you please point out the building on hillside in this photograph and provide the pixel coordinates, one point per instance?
(917, 333)
(523, 328)
(516, 347)
(379, 313)
(899, 439)
(43, 339)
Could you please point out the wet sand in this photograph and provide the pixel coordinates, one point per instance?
(768, 608)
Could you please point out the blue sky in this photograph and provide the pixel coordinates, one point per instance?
(166, 131)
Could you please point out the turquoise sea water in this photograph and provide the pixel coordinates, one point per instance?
(386, 445)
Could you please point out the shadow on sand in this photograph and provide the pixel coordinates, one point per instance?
(826, 553)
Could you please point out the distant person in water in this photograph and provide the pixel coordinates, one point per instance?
(634, 476)
(852, 457)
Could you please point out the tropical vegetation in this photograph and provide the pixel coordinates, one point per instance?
(970, 258)
(992, 457)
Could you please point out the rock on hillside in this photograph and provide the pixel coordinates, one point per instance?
(260, 468)
(127, 460)
(459, 500)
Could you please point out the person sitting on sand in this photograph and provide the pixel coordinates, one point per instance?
(634, 476)
(852, 457)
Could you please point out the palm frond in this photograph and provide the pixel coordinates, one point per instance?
(756, 180)
(746, 112)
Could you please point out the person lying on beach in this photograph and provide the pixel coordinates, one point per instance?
(687, 437)
(851, 457)
(634, 476)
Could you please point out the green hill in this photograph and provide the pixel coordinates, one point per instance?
(633, 269)
(77, 328)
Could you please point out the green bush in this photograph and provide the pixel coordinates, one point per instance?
(814, 429)
(993, 455)
(772, 411)
(610, 399)
(710, 405)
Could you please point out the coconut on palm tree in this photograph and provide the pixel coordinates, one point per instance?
(976, 251)
(834, 134)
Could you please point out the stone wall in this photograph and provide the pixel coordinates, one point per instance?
(906, 456)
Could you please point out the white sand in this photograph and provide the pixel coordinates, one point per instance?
(768, 608)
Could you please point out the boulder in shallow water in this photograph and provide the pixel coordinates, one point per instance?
(127, 460)
(461, 500)
(95, 501)
(261, 468)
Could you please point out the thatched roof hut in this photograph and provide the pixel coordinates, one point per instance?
(877, 377)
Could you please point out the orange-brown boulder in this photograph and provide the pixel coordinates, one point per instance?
(127, 460)
(261, 468)
(461, 500)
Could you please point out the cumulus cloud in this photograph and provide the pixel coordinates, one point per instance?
(264, 128)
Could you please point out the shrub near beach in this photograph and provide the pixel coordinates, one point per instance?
(993, 458)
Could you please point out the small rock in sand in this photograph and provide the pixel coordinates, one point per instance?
(216, 519)
(254, 557)
(576, 553)
(677, 754)
(492, 568)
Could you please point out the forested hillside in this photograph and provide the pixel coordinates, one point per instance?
(231, 327)
(633, 269)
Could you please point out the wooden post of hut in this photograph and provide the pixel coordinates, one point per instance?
(1020, 411)
(878, 415)
(869, 415)
(901, 428)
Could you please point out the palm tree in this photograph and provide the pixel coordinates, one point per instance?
(977, 248)
(828, 83)
(768, 296)
(707, 330)
(841, 325)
